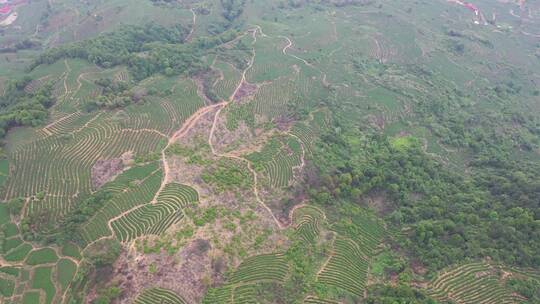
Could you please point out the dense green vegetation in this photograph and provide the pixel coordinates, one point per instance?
(146, 50)
(418, 190)
(21, 108)
(383, 294)
(286, 151)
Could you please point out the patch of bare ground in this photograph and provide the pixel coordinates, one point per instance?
(199, 129)
(377, 121)
(188, 174)
(284, 123)
(186, 273)
(230, 235)
(60, 20)
(240, 141)
(206, 256)
(417, 267)
(379, 202)
(105, 170)
(281, 201)
(245, 91)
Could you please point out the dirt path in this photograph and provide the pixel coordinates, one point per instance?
(332, 253)
(214, 123)
(46, 128)
(231, 155)
(188, 124)
(529, 34)
(288, 46)
(194, 22)
(191, 121)
(303, 157)
(68, 70)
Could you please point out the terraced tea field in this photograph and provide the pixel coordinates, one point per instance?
(347, 267)
(476, 283)
(269, 151)
(158, 296)
(155, 218)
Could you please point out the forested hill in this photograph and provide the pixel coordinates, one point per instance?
(269, 151)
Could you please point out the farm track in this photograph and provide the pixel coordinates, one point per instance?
(233, 155)
(331, 254)
(324, 81)
(190, 35)
(212, 130)
(185, 128)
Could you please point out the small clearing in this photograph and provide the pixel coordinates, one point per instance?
(105, 170)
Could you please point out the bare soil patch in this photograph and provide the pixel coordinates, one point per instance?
(284, 122)
(185, 273)
(380, 203)
(105, 170)
(418, 267)
(245, 90)
(60, 20)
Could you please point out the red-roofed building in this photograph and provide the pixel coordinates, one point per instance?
(4, 10)
(471, 6)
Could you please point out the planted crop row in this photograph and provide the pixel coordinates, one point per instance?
(159, 296)
(306, 134)
(58, 167)
(278, 159)
(347, 267)
(274, 99)
(315, 300)
(155, 218)
(366, 230)
(272, 267)
(245, 294)
(98, 226)
(471, 283)
(225, 86)
(221, 295)
(307, 223)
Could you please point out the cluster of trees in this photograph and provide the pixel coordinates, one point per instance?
(21, 108)
(69, 226)
(146, 50)
(21, 45)
(95, 271)
(37, 227)
(401, 294)
(336, 3)
(451, 217)
(529, 288)
(114, 48)
(490, 209)
(114, 94)
(227, 175)
(232, 9)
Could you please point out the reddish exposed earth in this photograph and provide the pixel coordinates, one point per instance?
(245, 90)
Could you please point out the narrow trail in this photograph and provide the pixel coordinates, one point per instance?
(68, 70)
(303, 157)
(302, 205)
(187, 125)
(288, 46)
(248, 163)
(45, 129)
(194, 22)
(330, 256)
